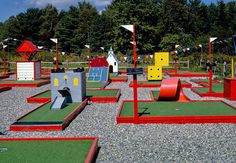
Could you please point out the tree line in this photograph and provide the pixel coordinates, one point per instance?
(160, 24)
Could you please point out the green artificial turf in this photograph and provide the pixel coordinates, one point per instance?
(45, 114)
(216, 87)
(20, 82)
(178, 109)
(155, 94)
(94, 84)
(101, 93)
(93, 93)
(44, 151)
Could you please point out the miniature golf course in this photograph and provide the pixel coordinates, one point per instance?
(43, 118)
(152, 84)
(38, 150)
(94, 95)
(178, 112)
(16, 83)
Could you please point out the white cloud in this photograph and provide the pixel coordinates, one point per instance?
(64, 4)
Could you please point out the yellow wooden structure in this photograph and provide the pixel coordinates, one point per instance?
(161, 59)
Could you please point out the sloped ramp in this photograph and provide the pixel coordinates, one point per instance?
(171, 90)
(58, 103)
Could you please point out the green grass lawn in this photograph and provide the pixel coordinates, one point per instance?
(216, 87)
(45, 151)
(93, 93)
(178, 109)
(45, 114)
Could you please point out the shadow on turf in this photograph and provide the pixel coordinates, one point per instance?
(143, 112)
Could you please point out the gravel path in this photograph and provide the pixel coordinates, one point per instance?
(131, 143)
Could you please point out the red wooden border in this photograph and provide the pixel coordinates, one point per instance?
(24, 85)
(68, 118)
(116, 79)
(2, 89)
(177, 119)
(34, 99)
(187, 85)
(92, 152)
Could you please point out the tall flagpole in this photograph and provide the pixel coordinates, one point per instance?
(135, 88)
(210, 59)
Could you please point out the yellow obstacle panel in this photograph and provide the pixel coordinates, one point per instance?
(155, 72)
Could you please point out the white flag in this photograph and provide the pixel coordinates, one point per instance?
(102, 48)
(4, 46)
(129, 27)
(87, 46)
(133, 42)
(54, 40)
(212, 38)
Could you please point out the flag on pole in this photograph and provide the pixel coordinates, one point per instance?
(4, 46)
(87, 46)
(132, 42)
(212, 39)
(102, 48)
(234, 42)
(129, 27)
(54, 40)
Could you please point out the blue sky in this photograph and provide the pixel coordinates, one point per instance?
(13, 7)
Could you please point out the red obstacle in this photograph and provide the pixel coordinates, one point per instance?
(171, 90)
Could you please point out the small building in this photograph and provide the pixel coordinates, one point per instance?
(28, 69)
(113, 61)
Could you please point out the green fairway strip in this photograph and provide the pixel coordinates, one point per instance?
(101, 93)
(218, 88)
(93, 85)
(45, 114)
(178, 109)
(155, 94)
(45, 151)
(93, 93)
(21, 82)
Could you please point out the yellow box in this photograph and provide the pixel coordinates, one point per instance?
(154, 72)
(162, 59)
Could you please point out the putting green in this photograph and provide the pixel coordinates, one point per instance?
(178, 109)
(45, 151)
(45, 114)
(93, 93)
(20, 82)
(94, 84)
(155, 94)
(216, 87)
